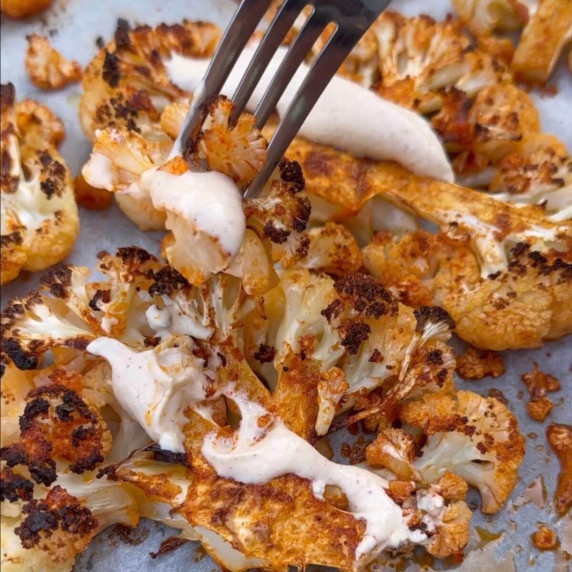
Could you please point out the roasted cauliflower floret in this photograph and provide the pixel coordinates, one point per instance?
(46, 67)
(485, 16)
(490, 127)
(23, 8)
(333, 250)
(419, 57)
(491, 259)
(237, 151)
(39, 214)
(393, 449)
(453, 534)
(474, 437)
(422, 268)
(127, 82)
(58, 424)
(538, 172)
(547, 31)
(352, 325)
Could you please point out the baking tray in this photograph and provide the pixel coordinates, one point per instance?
(73, 27)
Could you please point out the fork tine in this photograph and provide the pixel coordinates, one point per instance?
(277, 30)
(299, 49)
(243, 23)
(317, 79)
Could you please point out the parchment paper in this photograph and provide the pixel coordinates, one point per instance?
(73, 26)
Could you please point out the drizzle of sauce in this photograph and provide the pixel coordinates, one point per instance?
(258, 454)
(346, 116)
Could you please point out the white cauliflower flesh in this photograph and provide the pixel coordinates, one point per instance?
(485, 16)
(39, 219)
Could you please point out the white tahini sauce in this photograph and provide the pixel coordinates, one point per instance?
(155, 387)
(259, 454)
(346, 116)
(210, 201)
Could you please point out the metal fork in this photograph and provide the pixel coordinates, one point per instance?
(351, 19)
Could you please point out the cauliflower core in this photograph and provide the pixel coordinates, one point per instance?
(39, 213)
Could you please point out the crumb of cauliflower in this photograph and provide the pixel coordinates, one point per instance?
(477, 364)
(559, 437)
(46, 67)
(539, 384)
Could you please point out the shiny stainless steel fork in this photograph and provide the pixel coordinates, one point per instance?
(351, 19)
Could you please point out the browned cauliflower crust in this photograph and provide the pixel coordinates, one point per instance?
(483, 131)
(46, 67)
(543, 39)
(39, 213)
(126, 84)
(476, 438)
(59, 525)
(537, 172)
(476, 364)
(419, 58)
(374, 340)
(490, 260)
(23, 8)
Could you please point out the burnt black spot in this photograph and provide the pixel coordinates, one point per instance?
(355, 334)
(366, 295)
(291, 172)
(265, 354)
(432, 315)
(33, 408)
(333, 310)
(167, 281)
(122, 40)
(14, 487)
(276, 235)
(110, 72)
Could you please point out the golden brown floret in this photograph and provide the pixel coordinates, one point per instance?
(393, 449)
(491, 126)
(59, 525)
(538, 171)
(548, 30)
(57, 424)
(474, 437)
(332, 250)
(476, 364)
(39, 214)
(237, 151)
(419, 57)
(453, 534)
(127, 80)
(46, 67)
(23, 8)
(89, 197)
(490, 255)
